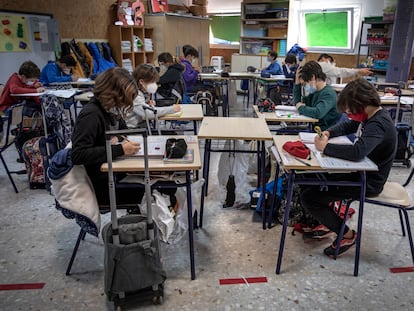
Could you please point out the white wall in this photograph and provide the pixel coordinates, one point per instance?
(362, 7)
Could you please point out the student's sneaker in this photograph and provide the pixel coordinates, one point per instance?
(343, 247)
(318, 233)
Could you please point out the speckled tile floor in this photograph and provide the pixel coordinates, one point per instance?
(36, 243)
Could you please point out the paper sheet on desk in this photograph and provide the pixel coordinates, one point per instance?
(336, 163)
(309, 138)
(156, 145)
(286, 108)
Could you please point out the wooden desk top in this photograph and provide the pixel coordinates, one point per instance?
(289, 162)
(274, 78)
(234, 128)
(136, 164)
(190, 112)
(272, 117)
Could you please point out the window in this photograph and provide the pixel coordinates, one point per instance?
(328, 29)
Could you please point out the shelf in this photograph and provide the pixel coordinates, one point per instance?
(376, 46)
(262, 38)
(378, 22)
(265, 20)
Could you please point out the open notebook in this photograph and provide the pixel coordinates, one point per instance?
(156, 145)
(309, 138)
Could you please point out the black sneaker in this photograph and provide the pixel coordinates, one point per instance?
(318, 233)
(344, 246)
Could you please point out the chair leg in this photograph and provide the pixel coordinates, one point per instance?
(402, 222)
(409, 233)
(8, 173)
(81, 236)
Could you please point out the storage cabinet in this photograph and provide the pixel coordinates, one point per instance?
(374, 46)
(264, 26)
(131, 45)
(172, 31)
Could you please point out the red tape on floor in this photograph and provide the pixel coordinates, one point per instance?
(261, 279)
(402, 269)
(22, 286)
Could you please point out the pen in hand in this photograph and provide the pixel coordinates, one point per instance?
(318, 131)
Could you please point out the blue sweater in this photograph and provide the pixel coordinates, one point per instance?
(52, 73)
(274, 69)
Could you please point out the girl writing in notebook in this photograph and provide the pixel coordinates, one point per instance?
(375, 138)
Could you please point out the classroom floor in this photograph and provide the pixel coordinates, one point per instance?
(36, 243)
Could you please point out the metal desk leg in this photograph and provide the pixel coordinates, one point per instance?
(359, 228)
(206, 164)
(291, 179)
(263, 182)
(195, 127)
(190, 224)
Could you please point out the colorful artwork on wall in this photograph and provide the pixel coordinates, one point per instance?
(14, 34)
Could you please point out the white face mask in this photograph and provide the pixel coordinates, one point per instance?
(193, 61)
(66, 71)
(151, 87)
(163, 69)
(29, 83)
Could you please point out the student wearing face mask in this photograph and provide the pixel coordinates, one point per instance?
(21, 82)
(59, 71)
(171, 73)
(318, 99)
(274, 66)
(146, 77)
(333, 73)
(376, 139)
(191, 71)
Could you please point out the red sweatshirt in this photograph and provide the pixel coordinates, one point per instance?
(14, 86)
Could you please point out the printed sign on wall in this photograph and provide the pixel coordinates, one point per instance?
(14, 34)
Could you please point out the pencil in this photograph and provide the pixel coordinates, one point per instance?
(318, 130)
(301, 161)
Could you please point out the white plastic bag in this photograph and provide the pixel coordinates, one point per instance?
(181, 218)
(161, 214)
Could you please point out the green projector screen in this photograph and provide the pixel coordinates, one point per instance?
(327, 29)
(226, 27)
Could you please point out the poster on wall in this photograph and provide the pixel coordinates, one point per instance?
(159, 6)
(14, 34)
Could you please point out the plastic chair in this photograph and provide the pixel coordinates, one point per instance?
(393, 195)
(13, 119)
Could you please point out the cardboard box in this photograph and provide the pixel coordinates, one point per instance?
(277, 32)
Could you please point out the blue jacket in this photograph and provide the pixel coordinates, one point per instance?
(274, 69)
(52, 73)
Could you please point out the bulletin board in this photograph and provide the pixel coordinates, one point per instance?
(26, 36)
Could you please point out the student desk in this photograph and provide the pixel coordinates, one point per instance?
(190, 112)
(296, 174)
(235, 76)
(84, 97)
(230, 128)
(272, 117)
(268, 82)
(136, 164)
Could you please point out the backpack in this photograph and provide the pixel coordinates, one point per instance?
(206, 99)
(57, 121)
(266, 105)
(35, 159)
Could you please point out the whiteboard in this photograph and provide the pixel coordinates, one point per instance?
(41, 51)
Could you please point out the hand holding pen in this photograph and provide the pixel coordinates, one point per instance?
(321, 140)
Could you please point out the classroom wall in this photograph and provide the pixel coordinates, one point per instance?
(83, 19)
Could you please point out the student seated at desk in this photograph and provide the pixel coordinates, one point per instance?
(332, 72)
(114, 93)
(289, 69)
(146, 77)
(319, 100)
(59, 71)
(171, 77)
(274, 66)
(376, 139)
(21, 82)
